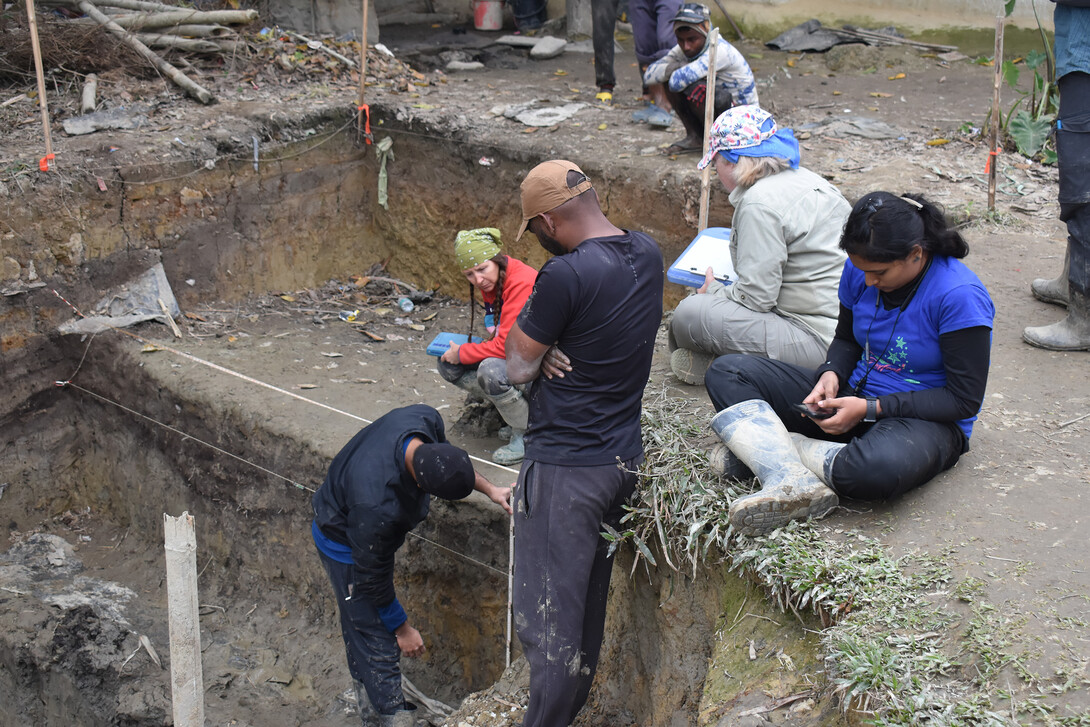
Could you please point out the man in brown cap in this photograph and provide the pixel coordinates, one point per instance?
(599, 301)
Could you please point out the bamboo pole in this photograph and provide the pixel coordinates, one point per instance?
(187, 683)
(193, 89)
(993, 144)
(46, 164)
(709, 118)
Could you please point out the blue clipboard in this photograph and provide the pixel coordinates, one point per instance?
(710, 248)
(441, 343)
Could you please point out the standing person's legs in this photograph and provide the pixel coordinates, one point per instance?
(528, 14)
(604, 21)
(1073, 149)
(622, 482)
(653, 37)
(373, 653)
(561, 580)
(652, 28)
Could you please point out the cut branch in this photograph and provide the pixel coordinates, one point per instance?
(198, 92)
(90, 90)
(143, 21)
(193, 45)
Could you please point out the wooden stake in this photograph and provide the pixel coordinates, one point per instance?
(187, 687)
(993, 144)
(709, 119)
(46, 164)
(510, 588)
(360, 131)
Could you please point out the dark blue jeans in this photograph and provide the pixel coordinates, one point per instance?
(529, 14)
(652, 28)
(373, 654)
(562, 574)
(880, 460)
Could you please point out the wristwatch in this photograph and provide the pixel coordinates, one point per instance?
(872, 409)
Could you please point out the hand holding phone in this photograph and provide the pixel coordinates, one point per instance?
(814, 412)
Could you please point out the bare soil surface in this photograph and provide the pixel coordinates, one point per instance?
(1011, 519)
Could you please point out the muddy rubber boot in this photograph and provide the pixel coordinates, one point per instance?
(690, 366)
(1054, 290)
(514, 409)
(817, 455)
(723, 463)
(368, 715)
(789, 491)
(401, 718)
(512, 452)
(1070, 334)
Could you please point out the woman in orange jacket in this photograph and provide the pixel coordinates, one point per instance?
(505, 284)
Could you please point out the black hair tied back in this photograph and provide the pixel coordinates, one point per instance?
(884, 227)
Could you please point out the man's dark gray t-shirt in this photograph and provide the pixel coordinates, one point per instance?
(601, 304)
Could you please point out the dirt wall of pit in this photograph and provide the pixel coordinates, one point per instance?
(68, 452)
(309, 213)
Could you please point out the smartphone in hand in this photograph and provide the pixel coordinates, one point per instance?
(814, 412)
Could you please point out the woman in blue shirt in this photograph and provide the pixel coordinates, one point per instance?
(895, 401)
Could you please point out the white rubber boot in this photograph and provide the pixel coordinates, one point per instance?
(789, 491)
(514, 409)
(817, 455)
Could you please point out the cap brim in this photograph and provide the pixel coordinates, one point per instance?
(707, 158)
(522, 229)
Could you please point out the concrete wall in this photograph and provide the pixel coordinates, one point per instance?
(907, 15)
(758, 18)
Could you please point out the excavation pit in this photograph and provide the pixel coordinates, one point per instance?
(235, 240)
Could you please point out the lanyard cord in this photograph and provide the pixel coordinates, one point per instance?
(859, 388)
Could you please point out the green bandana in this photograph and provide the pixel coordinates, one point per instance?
(473, 247)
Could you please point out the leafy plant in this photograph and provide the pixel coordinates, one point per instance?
(1029, 127)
